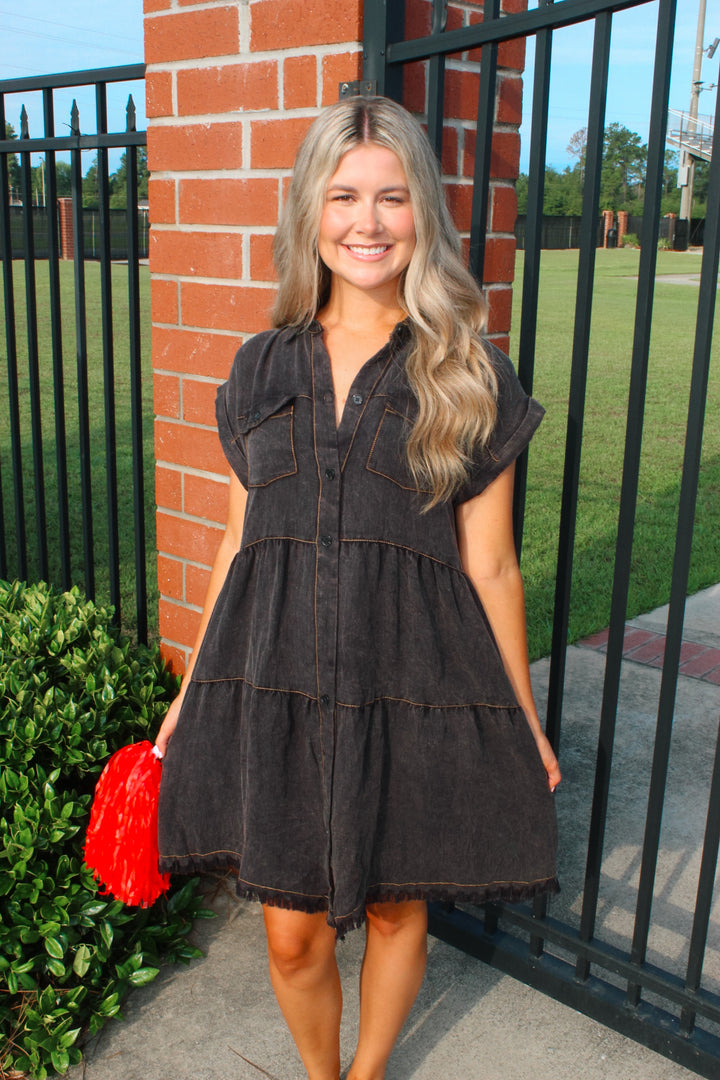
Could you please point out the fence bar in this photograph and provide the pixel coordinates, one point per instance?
(11, 344)
(33, 361)
(706, 888)
(436, 82)
(628, 497)
(57, 347)
(698, 388)
(683, 542)
(108, 355)
(515, 25)
(383, 20)
(578, 376)
(533, 238)
(136, 382)
(483, 147)
(82, 361)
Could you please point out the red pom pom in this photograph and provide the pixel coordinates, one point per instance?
(121, 846)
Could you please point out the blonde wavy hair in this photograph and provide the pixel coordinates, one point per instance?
(448, 367)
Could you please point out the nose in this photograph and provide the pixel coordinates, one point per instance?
(368, 220)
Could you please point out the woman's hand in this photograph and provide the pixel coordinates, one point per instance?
(549, 760)
(168, 725)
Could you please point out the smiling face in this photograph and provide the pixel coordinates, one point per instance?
(367, 229)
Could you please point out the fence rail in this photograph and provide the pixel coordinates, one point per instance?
(73, 442)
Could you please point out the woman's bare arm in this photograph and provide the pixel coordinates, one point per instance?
(227, 551)
(487, 551)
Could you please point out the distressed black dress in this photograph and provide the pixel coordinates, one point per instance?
(349, 734)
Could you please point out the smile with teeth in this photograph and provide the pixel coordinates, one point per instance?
(374, 249)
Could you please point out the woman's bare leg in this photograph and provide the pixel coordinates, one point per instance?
(392, 973)
(304, 976)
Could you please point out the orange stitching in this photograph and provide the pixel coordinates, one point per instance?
(362, 413)
(255, 686)
(426, 705)
(368, 466)
(401, 547)
(291, 472)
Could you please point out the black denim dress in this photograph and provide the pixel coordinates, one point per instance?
(349, 734)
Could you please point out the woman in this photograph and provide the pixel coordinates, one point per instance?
(356, 730)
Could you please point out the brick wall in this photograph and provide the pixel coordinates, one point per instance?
(232, 86)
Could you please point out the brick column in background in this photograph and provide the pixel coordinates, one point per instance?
(608, 217)
(232, 86)
(622, 217)
(231, 89)
(67, 233)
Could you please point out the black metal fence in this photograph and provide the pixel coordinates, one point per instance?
(80, 426)
(92, 233)
(573, 958)
(556, 232)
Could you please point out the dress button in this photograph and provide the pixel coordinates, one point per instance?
(326, 541)
(325, 700)
(329, 474)
(257, 415)
(328, 397)
(357, 399)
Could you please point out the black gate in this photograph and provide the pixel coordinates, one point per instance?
(612, 980)
(92, 468)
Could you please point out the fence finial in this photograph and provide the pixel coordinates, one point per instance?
(130, 112)
(24, 128)
(74, 119)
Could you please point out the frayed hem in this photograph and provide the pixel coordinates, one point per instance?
(511, 892)
(309, 905)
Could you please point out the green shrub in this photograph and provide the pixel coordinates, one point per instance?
(630, 240)
(72, 691)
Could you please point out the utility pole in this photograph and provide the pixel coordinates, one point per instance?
(687, 161)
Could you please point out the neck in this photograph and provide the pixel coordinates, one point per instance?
(354, 309)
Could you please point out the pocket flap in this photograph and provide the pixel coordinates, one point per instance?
(261, 411)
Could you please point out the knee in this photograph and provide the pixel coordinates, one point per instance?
(393, 919)
(295, 945)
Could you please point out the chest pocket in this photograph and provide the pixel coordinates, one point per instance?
(267, 431)
(388, 455)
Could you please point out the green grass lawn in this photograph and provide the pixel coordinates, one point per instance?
(604, 436)
(671, 350)
(97, 425)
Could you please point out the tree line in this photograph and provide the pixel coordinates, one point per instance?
(622, 179)
(117, 181)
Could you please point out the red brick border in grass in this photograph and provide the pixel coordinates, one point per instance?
(646, 647)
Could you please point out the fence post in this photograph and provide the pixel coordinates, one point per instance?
(231, 89)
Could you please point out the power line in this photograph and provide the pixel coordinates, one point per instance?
(62, 25)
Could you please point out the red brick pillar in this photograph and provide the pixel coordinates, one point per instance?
(231, 89)
(608, 220)
(67, 233)
(623, 216)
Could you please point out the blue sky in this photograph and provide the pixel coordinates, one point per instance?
(49, 37)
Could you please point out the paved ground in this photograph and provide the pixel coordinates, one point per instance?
(217, 1018)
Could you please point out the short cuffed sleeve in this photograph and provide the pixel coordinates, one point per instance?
(518, 417)
(230, 409)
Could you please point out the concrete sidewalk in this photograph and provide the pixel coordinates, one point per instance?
(217, 1019)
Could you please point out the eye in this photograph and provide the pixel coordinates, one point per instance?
(344, 197)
